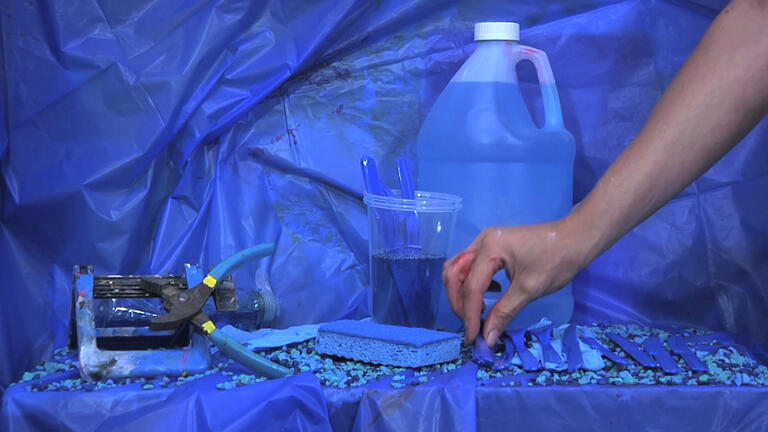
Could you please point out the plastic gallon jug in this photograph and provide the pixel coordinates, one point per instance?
(479, 142)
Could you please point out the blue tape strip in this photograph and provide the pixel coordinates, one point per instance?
(530, 362)
(572, 349)
(484, 356)
(548, 352)
(653, 345)
(680, 347)
(505, 361)
(610, 355)
(634, 351)
(482, 353)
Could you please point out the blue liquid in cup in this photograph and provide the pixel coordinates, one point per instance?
(406, 290)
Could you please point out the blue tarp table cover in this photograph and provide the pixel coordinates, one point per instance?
(454, 401)
(333, 392)
(138, 136)
(295, 403)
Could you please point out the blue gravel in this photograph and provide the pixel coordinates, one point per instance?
(727, 366)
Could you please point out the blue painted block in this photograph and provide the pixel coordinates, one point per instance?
(97, 364)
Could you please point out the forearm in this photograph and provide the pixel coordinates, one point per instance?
(716, 99)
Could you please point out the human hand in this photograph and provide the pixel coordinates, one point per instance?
(538, 260)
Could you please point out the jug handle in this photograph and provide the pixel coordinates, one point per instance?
(553, 115)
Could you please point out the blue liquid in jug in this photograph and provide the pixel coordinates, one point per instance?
(406, 290)
(480, 143)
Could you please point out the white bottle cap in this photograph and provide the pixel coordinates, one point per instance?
(508, 31)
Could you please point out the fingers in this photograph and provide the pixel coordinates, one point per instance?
(454, 275)
(485, 266)
(503, 312)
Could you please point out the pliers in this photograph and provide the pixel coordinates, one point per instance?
(186, 305)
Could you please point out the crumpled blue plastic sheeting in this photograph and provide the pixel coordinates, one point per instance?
(121, 152)
(454, 401)
(139, 136)
(445, 403)
(686, 409)
(295, 403)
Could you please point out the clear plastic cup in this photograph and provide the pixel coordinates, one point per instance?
(408, 245)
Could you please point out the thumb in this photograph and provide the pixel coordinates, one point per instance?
(502, 313)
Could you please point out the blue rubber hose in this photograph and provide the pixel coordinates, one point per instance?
(247, 358)
(230, 346)
(232, 263)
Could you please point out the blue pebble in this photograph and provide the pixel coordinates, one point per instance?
(227, 385)
(28, 376)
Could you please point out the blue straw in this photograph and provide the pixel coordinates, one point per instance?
(408, 191)
(374, 185)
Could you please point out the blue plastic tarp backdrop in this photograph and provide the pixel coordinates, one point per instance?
(138, 136)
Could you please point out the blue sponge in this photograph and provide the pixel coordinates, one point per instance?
(388, 345)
